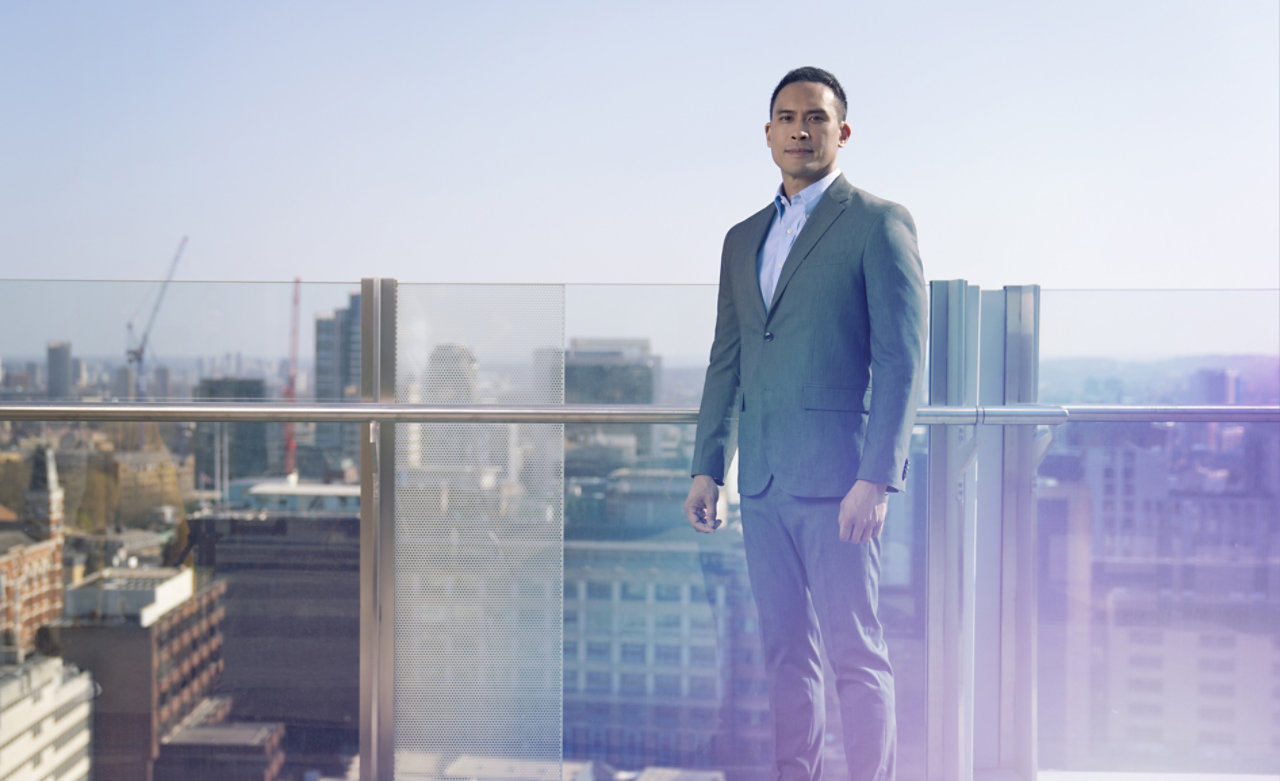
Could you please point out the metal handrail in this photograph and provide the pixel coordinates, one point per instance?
(255, 411)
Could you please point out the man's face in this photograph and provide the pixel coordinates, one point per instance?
(805, 133)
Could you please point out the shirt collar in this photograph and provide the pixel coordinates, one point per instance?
(808, 197)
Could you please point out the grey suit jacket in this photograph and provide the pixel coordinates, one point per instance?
(825, 383)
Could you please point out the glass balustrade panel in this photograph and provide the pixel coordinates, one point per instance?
(205, 575)
(1158, 597)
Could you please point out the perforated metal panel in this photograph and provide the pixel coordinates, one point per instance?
(479, 527)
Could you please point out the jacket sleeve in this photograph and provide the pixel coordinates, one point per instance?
(896, 306)
(720, 386)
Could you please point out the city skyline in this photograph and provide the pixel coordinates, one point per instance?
(201, 320)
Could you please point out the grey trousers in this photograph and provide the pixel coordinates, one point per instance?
(811, 588)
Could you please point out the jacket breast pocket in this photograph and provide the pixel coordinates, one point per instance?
(826, 397)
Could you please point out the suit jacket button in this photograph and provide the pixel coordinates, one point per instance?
(768, 336)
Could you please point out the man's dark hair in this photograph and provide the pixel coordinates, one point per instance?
(817, 76)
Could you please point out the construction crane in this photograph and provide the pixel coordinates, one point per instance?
(291, 387)
(137, 355)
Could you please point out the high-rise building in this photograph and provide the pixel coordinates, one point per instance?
(242, 447)
(293, 613)
(161, 384)
(124, 384)
(153, 642)
(61, 384)
(611, 371)
(337, 370)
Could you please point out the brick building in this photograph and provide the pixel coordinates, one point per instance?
(31, 561)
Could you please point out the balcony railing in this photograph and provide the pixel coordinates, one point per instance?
(509, 623)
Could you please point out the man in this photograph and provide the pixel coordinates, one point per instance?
(818, 349)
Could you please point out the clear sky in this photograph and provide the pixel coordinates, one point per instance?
(1107, 144)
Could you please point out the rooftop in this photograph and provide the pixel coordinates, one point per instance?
(229, 734)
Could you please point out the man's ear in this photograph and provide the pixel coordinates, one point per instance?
(767, 125)
(845, 132)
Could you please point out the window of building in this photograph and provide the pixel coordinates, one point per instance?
(1217, 641)
(1217, 665)
(667, 655)
(633, 623)
(598, 652)
(631, 683)
(702, 656)
(666, 592)
(634, 592)
(599, 590)
(668, 685)
(1217, 739)
(599, 682)
(1148, 685)
(632, 653)
(599, 621)
(667, 624)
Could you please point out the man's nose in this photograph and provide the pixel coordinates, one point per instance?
(800, 131)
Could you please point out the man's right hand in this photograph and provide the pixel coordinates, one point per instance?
(700, 506)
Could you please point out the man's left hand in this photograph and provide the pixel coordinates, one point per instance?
(862, 511)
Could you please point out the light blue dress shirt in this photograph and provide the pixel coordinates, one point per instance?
(786, 225)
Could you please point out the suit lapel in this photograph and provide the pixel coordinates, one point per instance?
(749, 261)
(828, 209)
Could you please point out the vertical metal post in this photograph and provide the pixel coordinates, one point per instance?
(1022, 454)
(953, 380)
(1004, 724)
(377, 532)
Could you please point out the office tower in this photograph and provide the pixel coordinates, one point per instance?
(610, 371)
(293, 610)
(44, 720)
(161, 384)
(242, 447)
(124, 383)
(153, 642)
(35, 374)
(60, 384)
(338, 379)
(31, 561)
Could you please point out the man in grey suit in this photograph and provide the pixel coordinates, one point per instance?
(818, 348)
